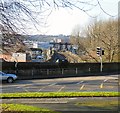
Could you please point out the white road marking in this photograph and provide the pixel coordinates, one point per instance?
(41, 88)
(61, 88)
(25, 89)
(44, 102)
(18, 87)
(46, 86)
(11, 100)
(52, 84)
(105, 80)
(80, 82)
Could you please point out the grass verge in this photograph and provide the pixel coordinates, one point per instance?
(59, 94)
(20, 108)
(99, 104)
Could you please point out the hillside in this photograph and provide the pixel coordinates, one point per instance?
(71, 57)
(46, 38)
(11, 43)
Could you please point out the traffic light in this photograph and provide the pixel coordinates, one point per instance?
(102, 52)
(99, 51)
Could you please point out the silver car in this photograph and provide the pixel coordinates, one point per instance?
(7, 77)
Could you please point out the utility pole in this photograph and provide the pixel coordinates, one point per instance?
(100, 52)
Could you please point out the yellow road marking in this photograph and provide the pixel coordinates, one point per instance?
(101, 86)
(118, 82)
(82, 87)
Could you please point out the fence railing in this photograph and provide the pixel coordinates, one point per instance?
(38, 70)
(51, 73)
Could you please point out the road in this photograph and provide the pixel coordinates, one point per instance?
(78, 84)
(70, 105)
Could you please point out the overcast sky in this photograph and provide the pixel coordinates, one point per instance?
(63, 21)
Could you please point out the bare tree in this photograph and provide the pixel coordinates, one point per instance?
(15, 14)
(100, 34)
(84, 49)
(105, 34)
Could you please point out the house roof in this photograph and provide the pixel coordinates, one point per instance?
(2, 60)
(36, 49)
(20, 50)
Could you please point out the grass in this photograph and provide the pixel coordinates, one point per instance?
(19, 108)
(100, 104)
(59, 94)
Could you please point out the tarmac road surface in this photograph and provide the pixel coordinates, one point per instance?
(76, 84)
(69, 105)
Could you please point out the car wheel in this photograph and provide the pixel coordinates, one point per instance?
(10, 80)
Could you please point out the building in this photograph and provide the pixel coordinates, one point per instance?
(22, 55)
(31, 44)
(5, 57)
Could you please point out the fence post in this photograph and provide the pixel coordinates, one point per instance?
(62, 71)
(89, 69)
(76, 70)
(32, 72)
(47, 71)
